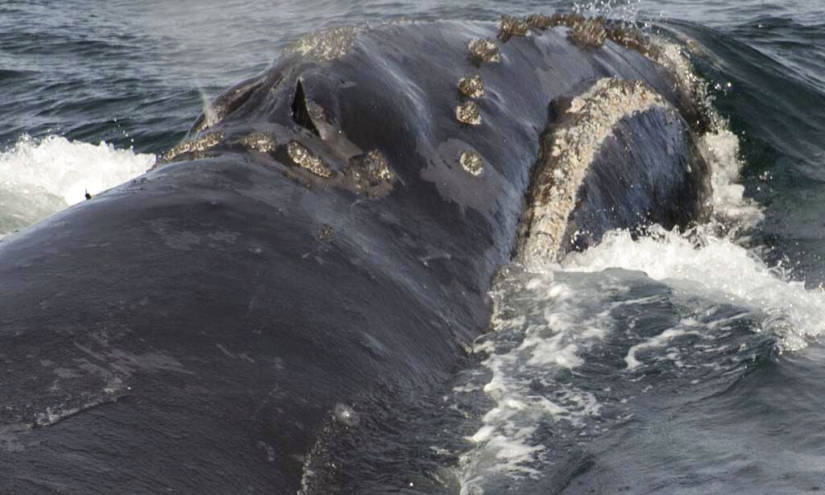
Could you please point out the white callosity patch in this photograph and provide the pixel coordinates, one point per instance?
(468, 113)
(326, 45)
(592, 117)
(471, 87)
(40, 177)
(302, 157)
(484, 50)
(471, 162)
(198, 144)
(260, 141)
(590, 120)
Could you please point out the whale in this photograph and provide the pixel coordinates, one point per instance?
(318, 249)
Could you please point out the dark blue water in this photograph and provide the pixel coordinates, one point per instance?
(670, 364)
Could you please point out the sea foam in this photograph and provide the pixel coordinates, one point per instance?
(39, 177)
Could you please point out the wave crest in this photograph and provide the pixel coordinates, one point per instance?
(39, 177)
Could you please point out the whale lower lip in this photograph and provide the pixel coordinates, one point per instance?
(318, 247)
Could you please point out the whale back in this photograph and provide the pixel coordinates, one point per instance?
(318, 247)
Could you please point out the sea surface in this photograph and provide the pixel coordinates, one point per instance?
(672, 363)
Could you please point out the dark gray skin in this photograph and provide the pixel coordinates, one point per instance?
(627, 187)
(194, 329)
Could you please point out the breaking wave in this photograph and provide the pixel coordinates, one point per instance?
(39, 177)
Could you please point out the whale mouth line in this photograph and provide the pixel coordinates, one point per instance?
(568, 147)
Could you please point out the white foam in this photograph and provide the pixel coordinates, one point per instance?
(626, 11)
(660, 340)
(40, 177)
(719, 145)
(522, 352)
(720, 149)
(544, 329)
(716, 268)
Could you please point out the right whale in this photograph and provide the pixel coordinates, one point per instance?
(316, 253)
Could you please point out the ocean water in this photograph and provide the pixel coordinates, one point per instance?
(672, 363)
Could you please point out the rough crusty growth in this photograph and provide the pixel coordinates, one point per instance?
(471, 87)
(588, 32)
(583, 31)
(326, 45)
(198, 144)
(512, 26)
(567, 153)
(370, 173)
(631, 38)
(325, 233)
(259, 141)
(468, 113)
(377, 169)
(539, 21)
(692, 86)
(593, 32)
(484, 50)
(304, 159)
(471, 162)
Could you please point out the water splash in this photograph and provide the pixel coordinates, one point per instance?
(715, 268)
(719, 146)
(210, 115)
(560, 359)
(625, 11)
(41, 177)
